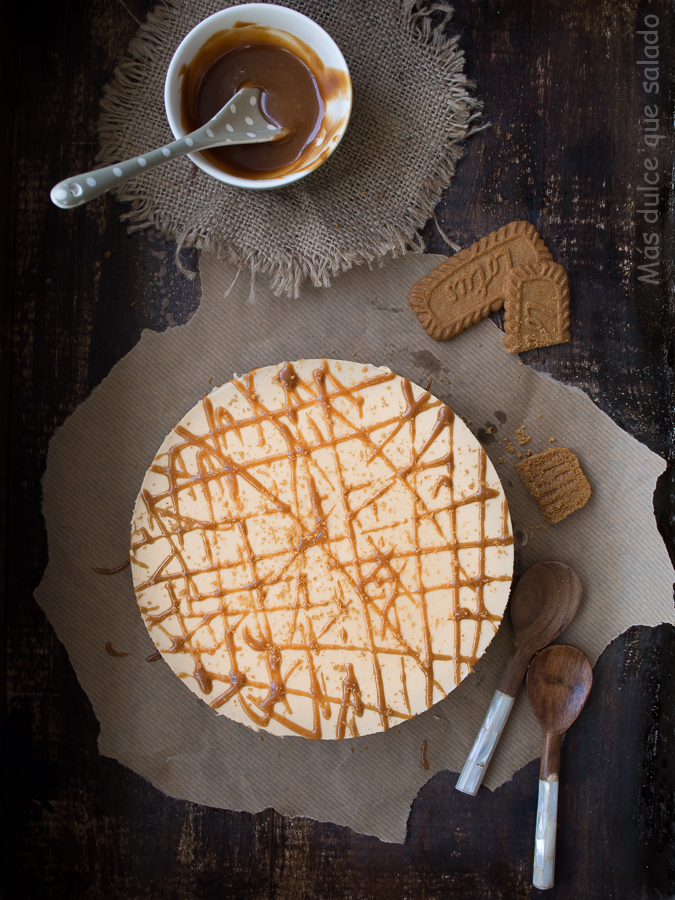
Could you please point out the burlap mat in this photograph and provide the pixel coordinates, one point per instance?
(412, 110)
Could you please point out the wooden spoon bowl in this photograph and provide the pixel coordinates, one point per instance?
(545, 601)
(558, 683)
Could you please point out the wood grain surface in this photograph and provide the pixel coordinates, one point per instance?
(564, 151)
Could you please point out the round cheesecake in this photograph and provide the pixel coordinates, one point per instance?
(321, 548)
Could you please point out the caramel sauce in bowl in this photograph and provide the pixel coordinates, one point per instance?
(304, 82)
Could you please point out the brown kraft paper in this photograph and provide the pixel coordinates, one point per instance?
(151, 722)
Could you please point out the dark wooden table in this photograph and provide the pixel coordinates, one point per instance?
(565, 151)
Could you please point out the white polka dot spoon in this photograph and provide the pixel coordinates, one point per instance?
(239, 122)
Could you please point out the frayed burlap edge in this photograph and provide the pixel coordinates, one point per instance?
(286, 272)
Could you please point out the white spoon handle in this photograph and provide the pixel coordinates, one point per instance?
(480, 755)
(544, 838)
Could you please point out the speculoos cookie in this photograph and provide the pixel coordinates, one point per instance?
(536, 307)
(467, 287)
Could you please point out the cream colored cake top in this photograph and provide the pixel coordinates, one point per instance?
(321, 548)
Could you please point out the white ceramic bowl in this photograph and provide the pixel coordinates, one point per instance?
(338, 108)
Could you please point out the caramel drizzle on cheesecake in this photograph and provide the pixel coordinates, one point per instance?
(201, 462)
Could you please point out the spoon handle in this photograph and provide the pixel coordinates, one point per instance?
(80, 189)
(547, 813)
(477, 761)
(484, 746)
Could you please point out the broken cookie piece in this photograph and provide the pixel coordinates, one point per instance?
(536, 307)
(555, 480)
(467, 287)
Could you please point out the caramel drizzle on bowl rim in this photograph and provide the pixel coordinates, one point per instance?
(213, 464)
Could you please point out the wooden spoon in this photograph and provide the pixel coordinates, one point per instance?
(558, 684)
(543, 604)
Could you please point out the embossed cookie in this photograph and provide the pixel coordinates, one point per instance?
(536, 307)
(321, 548)
(470, 285)
(555, 480)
